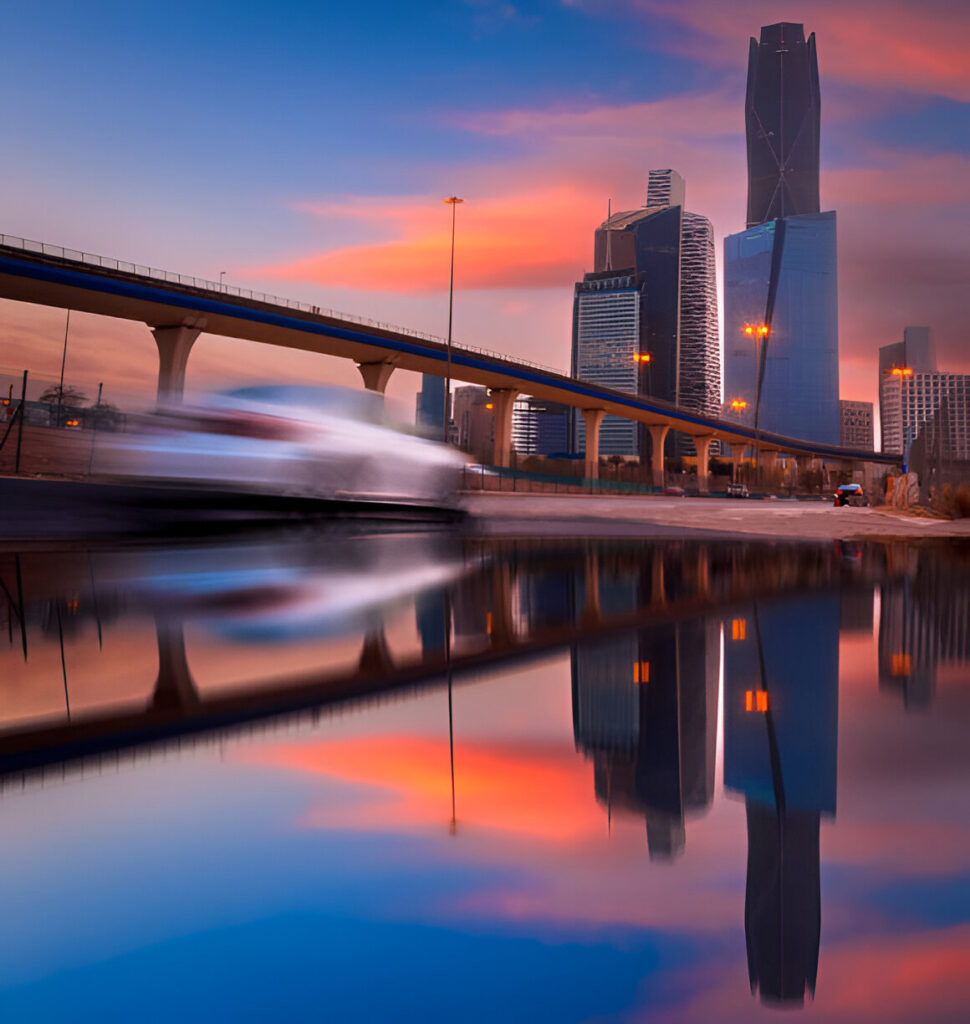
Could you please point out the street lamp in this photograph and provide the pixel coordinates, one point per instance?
(760, 333)
(738, 405)
(222, 275)
(453, 201)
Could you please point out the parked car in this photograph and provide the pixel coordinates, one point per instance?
(850, 494)
(738, 491)
(677, 492)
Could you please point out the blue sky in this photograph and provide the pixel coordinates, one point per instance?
(275, 141)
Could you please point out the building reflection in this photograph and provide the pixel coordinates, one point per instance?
(924, 622)
(781, 670)
(645, 712)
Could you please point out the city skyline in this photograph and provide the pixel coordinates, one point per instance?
(340, 201)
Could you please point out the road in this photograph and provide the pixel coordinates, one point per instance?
(597, 515)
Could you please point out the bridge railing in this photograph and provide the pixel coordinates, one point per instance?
(204, 284)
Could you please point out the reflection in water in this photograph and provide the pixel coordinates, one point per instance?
(924, 622)
(781, 702)
(317, 622)
(645, 710)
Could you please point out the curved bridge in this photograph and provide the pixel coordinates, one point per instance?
(178, 308)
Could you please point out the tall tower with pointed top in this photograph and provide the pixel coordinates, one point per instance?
(782, 122)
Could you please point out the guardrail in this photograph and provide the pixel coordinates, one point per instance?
(204, 284)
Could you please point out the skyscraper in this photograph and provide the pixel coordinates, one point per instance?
(782, 124)
(781, 341)
(915, 352)
(645, 319)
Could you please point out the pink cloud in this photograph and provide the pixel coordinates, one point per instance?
(884, 44)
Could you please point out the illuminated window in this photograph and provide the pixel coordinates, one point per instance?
(739, 629)
(641, 671)
(900, 665)
(756, 700)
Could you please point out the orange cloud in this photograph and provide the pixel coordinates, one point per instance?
(534, 239)
(543, 794)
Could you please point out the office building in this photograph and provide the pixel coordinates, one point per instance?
(645, 320)
(856, 425)
(540, 427)
(781, 335)
(782, 124)
(430, 411)
(782, 277)
(474, 422)
(911, 402)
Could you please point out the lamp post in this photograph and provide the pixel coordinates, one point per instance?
(453, 201)
(222, 276)
(60, 387)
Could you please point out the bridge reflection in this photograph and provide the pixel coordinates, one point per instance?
(640, 620)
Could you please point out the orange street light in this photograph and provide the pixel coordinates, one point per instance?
(902, 371)
(756, 330)
(642, 357)
(489, 405)
(739, 404)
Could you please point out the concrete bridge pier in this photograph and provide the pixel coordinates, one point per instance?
(703, 446)
(376, 375)
(174, 688)
(592, 420)
(658, 438)
(174, 344)
(502, 401)
(737, 460)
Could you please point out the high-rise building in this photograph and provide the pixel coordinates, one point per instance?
(915, 352)
(910, 401)
(539, 427)
(781, 335)
(430, 411)
(856, 425)
(645, 319)
(782, 124)
(474, 421)
(782, 276)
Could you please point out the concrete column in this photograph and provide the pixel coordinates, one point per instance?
(376, 375)
(737, 460)
(375, 657)
(592, 420)
(592, 613)
(658, 437)
(174, 345)
(768, 460)
(174, 688)
(502, 400)
(703, 446)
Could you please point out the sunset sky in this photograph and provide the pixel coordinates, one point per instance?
(304, 148)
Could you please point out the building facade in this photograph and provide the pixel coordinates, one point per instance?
(909, 401)
(915, 352)
(781, 334)
(645, 320)
(856, 425)
(430, 410)
(474, 422)
(782, 124)
(540, 427)
(783, 276)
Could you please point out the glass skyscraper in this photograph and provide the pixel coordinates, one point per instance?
(781, 333)
(645, 320)
(782, 122)
(783, 274)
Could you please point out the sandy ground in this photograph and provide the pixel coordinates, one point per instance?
(522, 514)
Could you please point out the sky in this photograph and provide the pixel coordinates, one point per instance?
(304, 149)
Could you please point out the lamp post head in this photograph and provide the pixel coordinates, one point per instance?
(453, 200)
